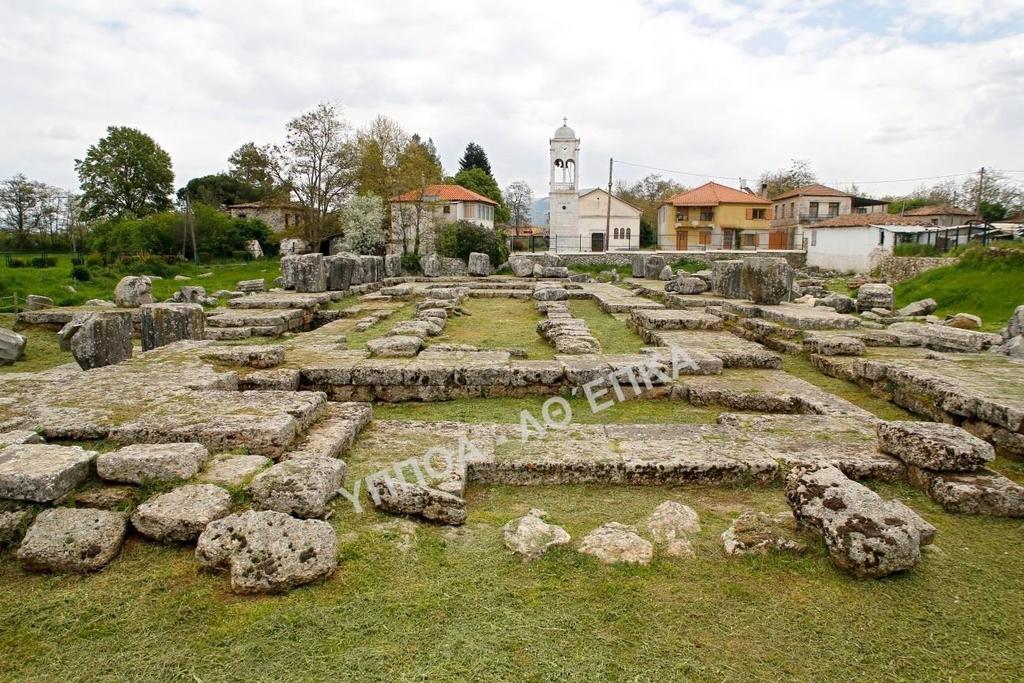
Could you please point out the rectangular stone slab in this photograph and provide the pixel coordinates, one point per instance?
(42, 472)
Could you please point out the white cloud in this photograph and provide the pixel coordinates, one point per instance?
(675, 85)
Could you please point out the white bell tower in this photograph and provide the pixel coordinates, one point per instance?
(564, 189)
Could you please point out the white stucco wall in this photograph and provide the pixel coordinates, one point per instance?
(847, 250)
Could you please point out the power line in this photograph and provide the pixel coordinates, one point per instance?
(834, 182)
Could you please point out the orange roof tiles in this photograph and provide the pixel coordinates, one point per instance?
(713, 194)
(815, 190)
(445, 193)
(860, 220)
(938, 210)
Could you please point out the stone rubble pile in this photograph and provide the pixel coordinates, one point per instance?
(567, 334)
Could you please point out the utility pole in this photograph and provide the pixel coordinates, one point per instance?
(981, 188)
(190, 224)
(608, 214)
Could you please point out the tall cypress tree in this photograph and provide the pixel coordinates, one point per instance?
(475, 157)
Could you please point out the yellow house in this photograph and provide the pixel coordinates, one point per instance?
(714, 217)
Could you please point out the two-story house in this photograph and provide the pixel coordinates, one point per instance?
(416, 215)
(803, 206)
(943, 215)
(712, 217)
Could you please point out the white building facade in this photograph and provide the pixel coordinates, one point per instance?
(579, 222)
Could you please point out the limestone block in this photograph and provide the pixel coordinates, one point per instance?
(164, 324)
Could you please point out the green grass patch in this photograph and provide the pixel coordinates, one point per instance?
(801, 367)
(613, 333)
(457, 606)
(53, 282)
(595, 269)
(497, 323)
(508, 410)
(989, 286)
(357, 339)
(41, 350)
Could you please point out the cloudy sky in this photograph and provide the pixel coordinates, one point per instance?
(868, 91)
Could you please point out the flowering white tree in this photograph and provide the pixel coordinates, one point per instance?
(361, 220)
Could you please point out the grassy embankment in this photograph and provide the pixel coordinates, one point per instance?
(989, 284)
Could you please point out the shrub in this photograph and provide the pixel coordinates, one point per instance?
(914, 249)
(411, 263)
(461, 238)
(16, 263)
(43, 262)
(81, 273)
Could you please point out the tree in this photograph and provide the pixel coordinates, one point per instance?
(479, 181)
(25, 207)
(220, 190)
(648, 194)
(519, 198)
(475, 157)
(783, 180)
(318, 162)
(458, 239)
(362, 220)
(251, 165)
(125, 175)
(380, 146)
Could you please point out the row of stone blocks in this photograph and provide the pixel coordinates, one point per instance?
(317, 273)
(101, 338)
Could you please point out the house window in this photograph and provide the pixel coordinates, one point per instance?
(749, 239)
(758, 214)
(242, 215)
(470, 210)
(447, 208)
(813, 209)
(683, 214)
(833, 208)
(814, 238)
(775, 211)
(707, 215)
(881, 236)
(792, 205)
(628, 231)
(286, 217)
(615, 233)
(705, 238)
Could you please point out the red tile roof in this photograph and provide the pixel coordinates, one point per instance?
(939, 210)
(815, 190)
(860, 220)
(444, 193)
(713, 194)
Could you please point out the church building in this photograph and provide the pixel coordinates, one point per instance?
(578, 221)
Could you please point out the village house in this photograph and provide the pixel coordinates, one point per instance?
(856, 242)
(279, 217)
(795, 210)
(424, 210)
(715, 217)
(943, 215)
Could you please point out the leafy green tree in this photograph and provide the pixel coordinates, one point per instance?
(992, 211)
(251, 165)
(475, 157)
(783, 180)
(220, 189)
(362, 220)
(520, 203)
(26, 206)
(479, 181)
(125, 175)
(648, 194)
(458, 239)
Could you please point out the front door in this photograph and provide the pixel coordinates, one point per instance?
(681, 240)
(597, 241)
(778, 239)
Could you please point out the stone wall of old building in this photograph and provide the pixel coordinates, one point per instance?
(899, 268)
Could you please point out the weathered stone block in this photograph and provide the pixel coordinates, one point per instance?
(767, 280)
(479, 264)
(304, 272)
(373, 268)
(252, 286)
(530, 536)
(615, 543)
(934, 445)
(163, 324)
(12, 346)
(268, 551)
(133, 291)
(727, 279)
(400, 346)
(874, 295)
(405, 498)
(653, 265)
(72, 540)
(393, 265)
(974, 493)
(917, 308)
(140, 463)
(430, 265)
(234, 470)
(303, 487)
(35, 302)
(521, 266)
(41, 472)
(182, 514)
(98, 339)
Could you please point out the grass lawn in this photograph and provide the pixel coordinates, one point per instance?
(799, 366)
(457, 606)
(497, 323)
(52, 282)
(508, 410)
(989, 288)
(41, 349)
(613, 333)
